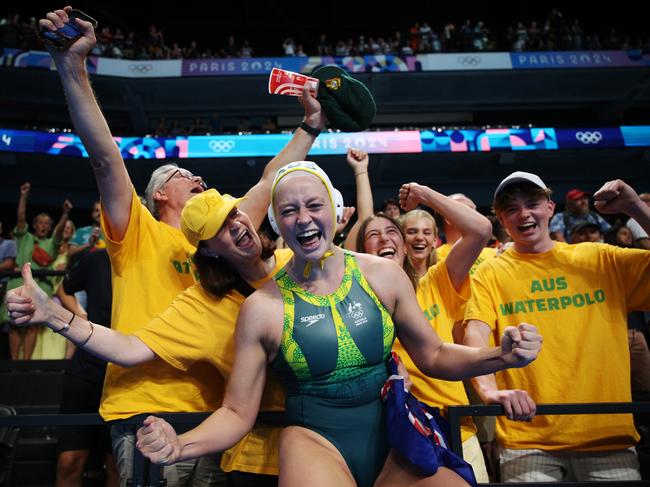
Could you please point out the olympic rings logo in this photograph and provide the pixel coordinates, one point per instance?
(589, 137)
(140, 68)
(356, 314)
(222, 145)
(469, 60)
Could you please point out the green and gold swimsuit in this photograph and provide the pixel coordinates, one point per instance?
(332, 359)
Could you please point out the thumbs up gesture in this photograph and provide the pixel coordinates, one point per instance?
(28, 304)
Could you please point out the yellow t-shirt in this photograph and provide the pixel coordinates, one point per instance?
(150, 266)
(578, 296)
(487, 253)
(442, 253)
(440, 303)
(198, 327)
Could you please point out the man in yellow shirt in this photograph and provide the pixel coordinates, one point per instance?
(150, 257)
(579, 297)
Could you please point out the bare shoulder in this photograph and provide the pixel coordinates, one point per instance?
(261, 302)
(261, 316)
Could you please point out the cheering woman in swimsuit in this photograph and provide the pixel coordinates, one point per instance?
(326, 324)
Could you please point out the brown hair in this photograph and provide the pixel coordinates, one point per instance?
(513, 191)
(216, 274)
(361, 240)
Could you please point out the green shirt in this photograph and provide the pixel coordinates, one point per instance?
(25, 245)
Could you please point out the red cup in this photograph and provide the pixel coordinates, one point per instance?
(282, 82)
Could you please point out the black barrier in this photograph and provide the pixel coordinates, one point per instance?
(456, 412)
(36, 273)
(148, 475)
(9, 366)
(267, 418)
(145, 474)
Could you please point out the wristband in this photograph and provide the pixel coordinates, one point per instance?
(310, 130)
(65, 327)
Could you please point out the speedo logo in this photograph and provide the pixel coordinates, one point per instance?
(310, 320)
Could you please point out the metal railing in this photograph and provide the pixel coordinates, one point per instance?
(36, 273)
(145, 474)
(455, 413)
(148, 475)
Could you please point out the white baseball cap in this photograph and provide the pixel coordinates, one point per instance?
(520, 177)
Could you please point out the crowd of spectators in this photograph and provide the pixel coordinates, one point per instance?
(558, 34)
(48, 248)
(554, 33)
(578, 222)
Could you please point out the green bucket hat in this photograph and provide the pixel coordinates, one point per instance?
(347, 102)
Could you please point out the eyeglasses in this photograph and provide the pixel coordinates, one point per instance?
(184, 173)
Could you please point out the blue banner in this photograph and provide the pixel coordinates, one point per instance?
(486, 140)
(589, 138)
(240, 66)
(388, 142)
(574, 59)
(36, 59)
(215, 66)
(638, 136)
(353, 64)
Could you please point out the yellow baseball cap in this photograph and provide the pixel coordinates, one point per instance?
(204, 214)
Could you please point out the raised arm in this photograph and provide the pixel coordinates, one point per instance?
(259, 196)
(115, 187)
(28, 305)
(94, 237)
(21, 218)
(60, 226)
(358, 160)
(474, 227)
(618, 197)
(448, 361)
(157, 440)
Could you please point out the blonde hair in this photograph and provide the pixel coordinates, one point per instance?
(418, 213)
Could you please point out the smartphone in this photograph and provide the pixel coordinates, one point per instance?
(65, 36)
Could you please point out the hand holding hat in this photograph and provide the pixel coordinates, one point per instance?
(347, 102)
